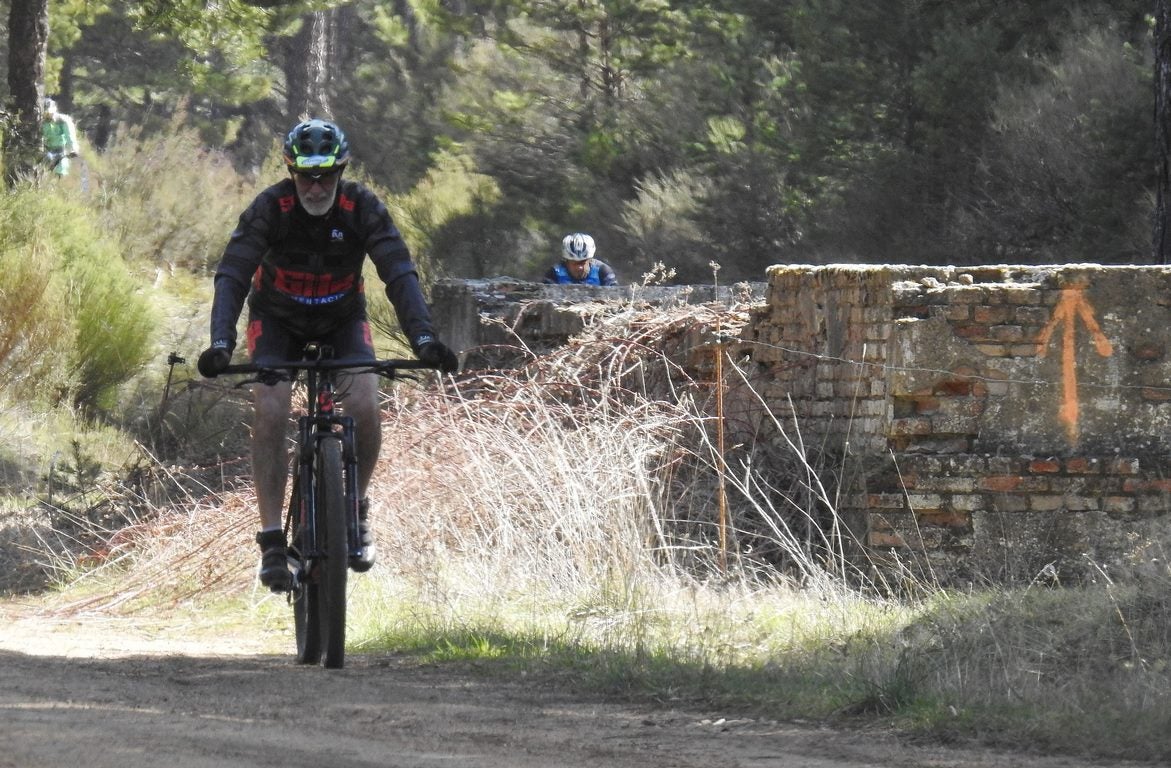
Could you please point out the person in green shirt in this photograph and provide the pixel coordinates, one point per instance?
(60, 138)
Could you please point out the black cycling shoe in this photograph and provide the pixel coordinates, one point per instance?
(274, 561)
(366, 536)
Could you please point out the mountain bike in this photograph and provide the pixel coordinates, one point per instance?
(321, 523)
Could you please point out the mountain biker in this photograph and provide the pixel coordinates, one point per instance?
(578, 265)
(297, 255)
(59, 136)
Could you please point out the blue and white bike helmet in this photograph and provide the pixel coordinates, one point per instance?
(578, 247)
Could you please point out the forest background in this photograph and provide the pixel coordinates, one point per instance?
(746, 132)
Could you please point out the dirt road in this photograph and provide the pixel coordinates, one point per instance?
(101, 693)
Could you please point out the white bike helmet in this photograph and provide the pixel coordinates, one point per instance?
(578, 247)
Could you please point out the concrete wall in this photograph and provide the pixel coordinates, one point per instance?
(505, 321)
(998, 422)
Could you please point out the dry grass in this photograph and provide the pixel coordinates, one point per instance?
(172, 557)
(592, 461)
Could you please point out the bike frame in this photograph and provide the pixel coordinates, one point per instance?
(322, 422)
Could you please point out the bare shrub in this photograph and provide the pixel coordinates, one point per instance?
(169, 200)
(594, 463)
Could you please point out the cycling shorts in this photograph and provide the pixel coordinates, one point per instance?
(271, 340)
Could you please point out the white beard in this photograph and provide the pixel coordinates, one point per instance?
(319, 208)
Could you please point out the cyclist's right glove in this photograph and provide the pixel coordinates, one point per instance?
(432, 351)
(215, 358)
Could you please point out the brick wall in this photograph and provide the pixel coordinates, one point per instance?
(989, 423)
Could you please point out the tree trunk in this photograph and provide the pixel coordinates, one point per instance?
(583, 52)
(28, 37)
(308, 67)
(1162, 230)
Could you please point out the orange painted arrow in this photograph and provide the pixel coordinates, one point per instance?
(1070, 306)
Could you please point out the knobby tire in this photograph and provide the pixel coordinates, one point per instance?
(334, 567)
(306, 614)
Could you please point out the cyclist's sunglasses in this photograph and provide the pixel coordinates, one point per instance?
(323, 177)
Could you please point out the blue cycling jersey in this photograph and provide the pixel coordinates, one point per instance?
(600, 274)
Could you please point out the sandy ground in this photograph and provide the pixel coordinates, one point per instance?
(100, 692)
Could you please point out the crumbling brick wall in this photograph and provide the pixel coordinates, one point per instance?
(987, 423)
(990, 423)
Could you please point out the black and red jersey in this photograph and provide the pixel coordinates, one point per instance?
(307, 270)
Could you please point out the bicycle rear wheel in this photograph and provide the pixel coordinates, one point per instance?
(306, 612)
(334, 566)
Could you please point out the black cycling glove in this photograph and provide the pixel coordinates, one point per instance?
(215, 358)
(432, 351)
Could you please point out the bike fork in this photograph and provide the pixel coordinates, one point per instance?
(350, 462)
(304, 525)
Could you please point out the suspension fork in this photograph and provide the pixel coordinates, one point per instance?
(310, 428)
(327, 413)
(307, 448)
(350, 462)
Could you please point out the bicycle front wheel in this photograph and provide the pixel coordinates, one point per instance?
(306, 600)
(334, 567)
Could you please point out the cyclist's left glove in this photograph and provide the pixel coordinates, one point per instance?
(432, 351)
(215, 358)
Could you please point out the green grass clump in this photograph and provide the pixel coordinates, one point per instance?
(711, 645)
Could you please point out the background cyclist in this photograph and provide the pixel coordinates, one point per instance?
(578, 265)
(59, 135)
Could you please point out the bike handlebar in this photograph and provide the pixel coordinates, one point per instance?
(286, 370)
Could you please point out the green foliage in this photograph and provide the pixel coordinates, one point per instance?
(387, 88)
(76, 474)
(142, 62)
(725, 134)
(900, 131)
(662, 222)
(609, 42)
(97, 322)
(223, 41)
(389, 28)
(112, 321)
(67, 20)
(451, 189)
(876, 131)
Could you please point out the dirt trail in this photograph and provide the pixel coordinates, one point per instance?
(101, 693)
